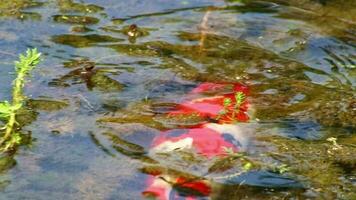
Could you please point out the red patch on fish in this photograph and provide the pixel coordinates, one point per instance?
(199, 186)
(204, 140)
(213, 106)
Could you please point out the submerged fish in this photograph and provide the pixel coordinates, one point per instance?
(225, 105)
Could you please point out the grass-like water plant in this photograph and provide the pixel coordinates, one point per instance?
(232, 107)
(10, 136)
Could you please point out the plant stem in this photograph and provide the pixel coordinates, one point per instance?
(25, 64)
(16, 99)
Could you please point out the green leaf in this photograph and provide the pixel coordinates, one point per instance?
(27, 62)
(16, 107)
(240, 98)
(227, 102)
(5, 109)
(247, 166)
(16, 138)
(283, 168)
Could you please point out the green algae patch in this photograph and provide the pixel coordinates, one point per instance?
(329, 108)
(147, 120)
(81, 41)
(321, 163)
(75, 19)
(104, 83)
(6, 162)
(26, 116)
(135, 50)
(127, 146)
(46, 104)
(81, 29)
(337, 110)
(71, 6)
(16, 9)
(117, 21)
(136, 113)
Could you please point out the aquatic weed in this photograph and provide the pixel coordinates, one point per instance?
(232, 107)
(8, 111)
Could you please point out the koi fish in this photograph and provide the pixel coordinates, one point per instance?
(225, 104)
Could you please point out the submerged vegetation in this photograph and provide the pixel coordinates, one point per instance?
(232, 107)
(9, 110)
(15, 8)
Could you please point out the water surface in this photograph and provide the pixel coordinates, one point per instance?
(90, 135)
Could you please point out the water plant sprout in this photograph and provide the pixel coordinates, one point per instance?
(232, 108)
(8, 111)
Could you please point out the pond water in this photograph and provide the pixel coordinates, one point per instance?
(105, 91)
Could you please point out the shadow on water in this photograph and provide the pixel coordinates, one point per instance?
(114, 71)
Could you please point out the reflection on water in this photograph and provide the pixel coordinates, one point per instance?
(116, 70)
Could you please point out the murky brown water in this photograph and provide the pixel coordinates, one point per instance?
(101, 96)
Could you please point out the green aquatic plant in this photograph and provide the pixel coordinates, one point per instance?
(226, 103)
(16, 9)
(232, 155)
(232, 108)
(283, 168)
(239, 99)
(8, 111)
